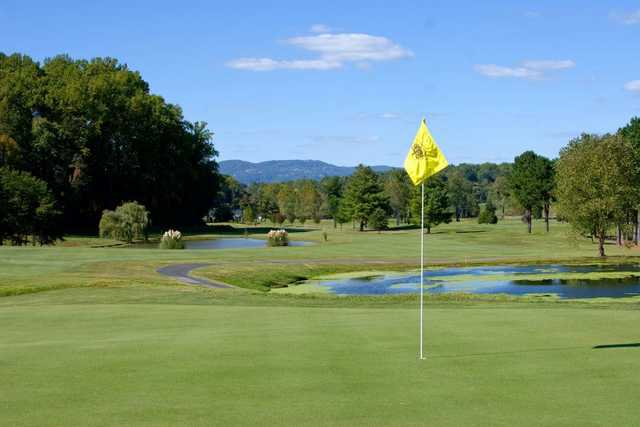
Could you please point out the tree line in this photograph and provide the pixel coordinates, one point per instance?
(594, 185)
(93, 133)
(81, 137)
(367, 199)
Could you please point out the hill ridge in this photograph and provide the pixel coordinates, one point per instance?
(286, 170)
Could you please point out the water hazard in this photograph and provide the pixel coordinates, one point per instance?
(233, 243)
(487, 280)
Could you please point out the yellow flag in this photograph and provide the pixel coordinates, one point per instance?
(424, 158)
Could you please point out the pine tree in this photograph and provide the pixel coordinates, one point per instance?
(363, 195)
(436, 203)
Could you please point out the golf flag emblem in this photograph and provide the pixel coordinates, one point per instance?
(425, 157)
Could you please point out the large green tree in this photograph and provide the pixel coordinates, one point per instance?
(97, 136)
(363, 195)
(398, 189)
(631, 134)
(531, 183)
(28, 210)
(597, 183)
(461, 194)
(332, 189)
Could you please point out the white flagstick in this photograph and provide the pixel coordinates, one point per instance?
(422, 274)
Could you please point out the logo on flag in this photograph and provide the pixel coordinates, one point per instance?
(425, 157)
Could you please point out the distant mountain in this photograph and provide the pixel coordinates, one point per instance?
(285, 170)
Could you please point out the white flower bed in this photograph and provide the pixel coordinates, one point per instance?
(278, 238)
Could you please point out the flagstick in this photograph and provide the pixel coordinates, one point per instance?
(422, 274)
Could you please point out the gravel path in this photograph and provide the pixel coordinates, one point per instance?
(181, 273)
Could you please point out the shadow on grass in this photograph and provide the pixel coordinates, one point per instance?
(626, 345)
(532, 350)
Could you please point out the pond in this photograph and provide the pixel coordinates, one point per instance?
(487, 280)
(234, 243)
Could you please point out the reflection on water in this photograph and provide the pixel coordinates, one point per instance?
(574, 288)
(233, 243)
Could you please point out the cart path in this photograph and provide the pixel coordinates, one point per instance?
(181, 273)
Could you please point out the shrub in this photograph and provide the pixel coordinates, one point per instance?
(278, 238)
(27, 210)
(128, 222)
(488, 214)
(171, 239)
(378, 220)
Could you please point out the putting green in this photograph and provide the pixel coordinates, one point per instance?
(105, 357)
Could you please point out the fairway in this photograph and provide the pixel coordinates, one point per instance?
(101, 357)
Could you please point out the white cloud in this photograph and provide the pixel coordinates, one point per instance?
(320, 28)
(389, 116)
(531, 69)
(268, 64)
(492, 70)
(549, 64)
(351, 47)
(633, 86)
(334, 51)
(628, 18)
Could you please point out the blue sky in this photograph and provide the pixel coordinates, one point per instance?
(347, 82)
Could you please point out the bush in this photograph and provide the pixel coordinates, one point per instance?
(278, 238)
(171, 239)
(128, 222)
(378, 220)
(488, 214)
(27, 210)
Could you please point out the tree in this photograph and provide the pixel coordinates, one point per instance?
(531, 181)
(248, 215)
(309, 201)
(332, 188)
(597, 180)
(230, 193)
(8, 150)
(378, 220)
(364, 194)
(128, 222)
(631, 134)
(398, 188)
(436, 203)
(488, 214)
(500, 193)
(94, 132)
(27, 210)
(460, 193)
(344, 214)
(547, 187)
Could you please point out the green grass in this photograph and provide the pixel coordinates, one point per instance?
(92, 335)
(78, 262)
(154, 356)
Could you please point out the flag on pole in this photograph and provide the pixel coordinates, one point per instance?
(424, 158)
